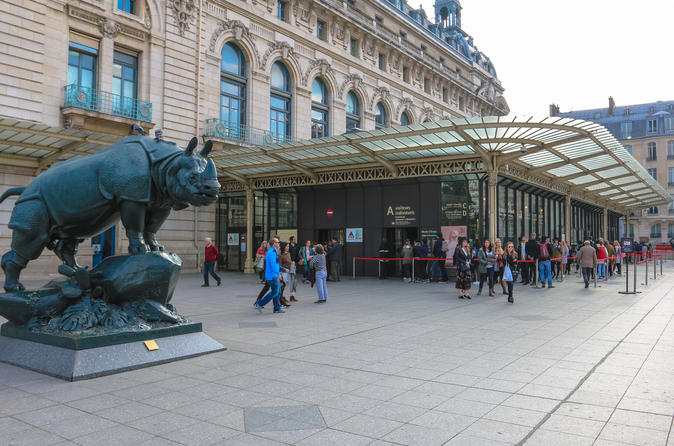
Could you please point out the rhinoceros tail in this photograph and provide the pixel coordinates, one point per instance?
(10, 192)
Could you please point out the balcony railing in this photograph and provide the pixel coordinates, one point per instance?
(670, 235)
(656, 234)
(216, 128)
(106, 102)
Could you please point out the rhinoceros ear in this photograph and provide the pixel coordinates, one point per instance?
(207, 149)
(191, 145)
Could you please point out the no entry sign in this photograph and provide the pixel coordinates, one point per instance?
(329, 212)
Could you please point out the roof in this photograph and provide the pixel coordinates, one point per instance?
(35, 145)
(578, 157)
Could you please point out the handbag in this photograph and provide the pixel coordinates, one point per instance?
(507, 274)
(259, 262)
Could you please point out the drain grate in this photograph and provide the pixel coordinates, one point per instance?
(282, 418)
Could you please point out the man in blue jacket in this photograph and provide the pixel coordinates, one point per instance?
(272, 275)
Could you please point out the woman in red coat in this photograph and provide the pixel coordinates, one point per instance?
(602, 255)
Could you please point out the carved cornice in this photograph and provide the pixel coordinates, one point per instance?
(381, 93)
(235, 26)
(323, 68)
(404, 104)
(183, 13)
(284, 47)
(351, 80)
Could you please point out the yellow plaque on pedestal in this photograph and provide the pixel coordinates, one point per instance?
(151, 345)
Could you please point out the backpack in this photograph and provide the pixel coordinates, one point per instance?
(544, 254)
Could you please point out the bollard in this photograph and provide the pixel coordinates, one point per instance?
(413, 269)
(379, 268)
(646, 276)
(661, 260)
(596, 273)
(606, 270)
(655, 268)
(353, 270)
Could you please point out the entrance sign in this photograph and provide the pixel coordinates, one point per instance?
(400, 215)
(233, 239)
(429, 233)
(354, 235)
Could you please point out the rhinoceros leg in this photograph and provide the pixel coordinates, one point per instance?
(156, 218)
(66, 251)
(30, 233)
(133, 219)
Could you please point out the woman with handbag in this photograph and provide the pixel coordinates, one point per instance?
(462, 260)
(259, 260)
(510, 261)
(500, 261)
(488, 266)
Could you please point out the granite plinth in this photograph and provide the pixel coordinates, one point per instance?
(87, 341)
(74, 365)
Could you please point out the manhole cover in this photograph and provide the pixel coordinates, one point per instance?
(258, 325)
(282, 418)
(532, 317)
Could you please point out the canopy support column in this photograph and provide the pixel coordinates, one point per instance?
(493, 212)
(605, 224)
(567, 218)
(249, 267)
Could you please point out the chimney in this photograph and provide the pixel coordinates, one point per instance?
(611, 106)
(554, 110)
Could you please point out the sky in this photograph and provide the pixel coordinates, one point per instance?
(575, 53)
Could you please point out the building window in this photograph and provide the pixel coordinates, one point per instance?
(631, 230)
(402, 35)
(460, 102)
(233, 90)
(82, 67)
(652, 152)
(652, 125)
(282, 10)
(670, 150)
(653, 210)
(353, 47)
(629, 149)
(127, 6)
(427, 85)
(670, 176)
(655, 231)
(352, 111)
(406, 74)
(626, 130)
(320, 29)
(124, 83)
(380, 117)
(653, 173)
(445, 94)
(669, 124)
(319, 109)
(670, 230)
(381, 61)
(404, 119)
(670, 209)
(280, 101)
(378, 21)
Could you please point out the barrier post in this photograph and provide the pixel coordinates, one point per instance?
(596, 273)
(655, 268)
(353, 270)
(413, 269)
(606, 270)
(646, 276)
(661, 260)
(634, 279)
(379, 269)
(627, 277)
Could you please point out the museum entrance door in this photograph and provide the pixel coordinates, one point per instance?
(395, 237)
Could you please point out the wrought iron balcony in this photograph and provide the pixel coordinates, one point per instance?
(106, 102)
(215, 128)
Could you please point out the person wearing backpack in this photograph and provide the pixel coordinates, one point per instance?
(544, 266)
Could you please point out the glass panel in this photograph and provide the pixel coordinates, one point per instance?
(352, 104)
(501, 206)
(404, 119)
(280, 78)
(233, 61)
(380, 115)
(86, 62)
(129, 72)
(117, 70)
(73, 57)
(72, 75)
(116, 86)
(352, 123)
(87, 78)
(319, 92)
(129, 89)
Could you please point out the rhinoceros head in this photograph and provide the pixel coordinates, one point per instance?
(193, 178)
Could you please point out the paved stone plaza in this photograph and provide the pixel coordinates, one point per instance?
(382, 362)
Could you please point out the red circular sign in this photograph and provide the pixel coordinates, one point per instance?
(329, 212)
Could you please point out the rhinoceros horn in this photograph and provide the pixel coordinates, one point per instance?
(207, 149)
(191, 145)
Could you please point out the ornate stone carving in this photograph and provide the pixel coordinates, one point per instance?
(285, 49)
(108, 28)
(147, 20)
(426, 114)
(381, 93)
(236, 26)
(183, 13)
(404, 104)
(351, 80)
(323, 67)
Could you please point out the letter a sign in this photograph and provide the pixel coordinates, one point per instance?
(389, 211)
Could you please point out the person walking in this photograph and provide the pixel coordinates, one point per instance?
(285, 260)
(500, 262)
(601, 260)
(544, 266)
(272, 275)
(305, 254)
(610, 251)
(587, 259)
(532, 250)
(488, 266)
(259, 259)
(335, 256)
(510, 262)
(462, 261)
(407, 255)
(566, 253)
(211, 255)
(317, 262)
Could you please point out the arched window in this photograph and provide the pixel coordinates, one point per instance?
(404, 119)
(233, 91)
(352, 111)
(319, 109)
(380, 118)
(280, 102)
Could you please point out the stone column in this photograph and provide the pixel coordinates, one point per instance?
(605, 224)
(567, 217)
(105, 62)
(491, 202)
(249, 267)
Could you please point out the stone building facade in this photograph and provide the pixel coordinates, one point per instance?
(647, 132)
(104, 65)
